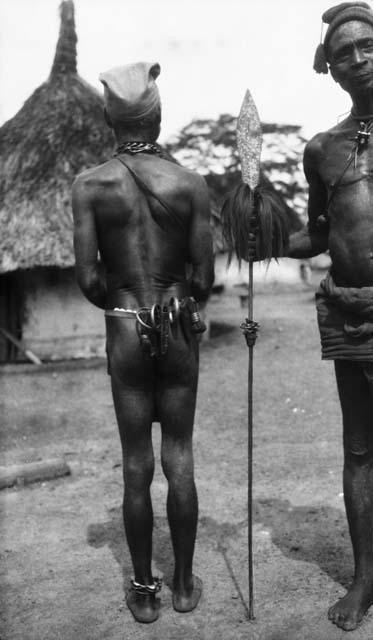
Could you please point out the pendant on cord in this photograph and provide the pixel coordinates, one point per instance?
(362, 136)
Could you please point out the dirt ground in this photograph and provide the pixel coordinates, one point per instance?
(65, 564)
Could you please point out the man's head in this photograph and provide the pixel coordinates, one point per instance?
(132, 101)
(350, 54)
(348, 45)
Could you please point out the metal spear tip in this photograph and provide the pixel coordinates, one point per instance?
(249, 141)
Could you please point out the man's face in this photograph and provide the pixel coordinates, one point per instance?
(351, 57)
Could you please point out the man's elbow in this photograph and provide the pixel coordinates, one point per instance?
(84, 279)
(91, 287)
(307, 243)
(202, 283)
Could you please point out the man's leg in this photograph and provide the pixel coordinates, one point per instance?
(356, 397)
(176, 399)
(134, 415)
(134, 406)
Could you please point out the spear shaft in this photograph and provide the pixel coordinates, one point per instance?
(249, 329)
(250, 451)
(255, 226)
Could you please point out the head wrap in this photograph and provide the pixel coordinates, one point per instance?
(334, 17)
(130, 91)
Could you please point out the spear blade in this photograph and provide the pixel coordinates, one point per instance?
(249, 141)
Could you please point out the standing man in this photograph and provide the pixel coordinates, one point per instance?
(148, 219)
(339, 169)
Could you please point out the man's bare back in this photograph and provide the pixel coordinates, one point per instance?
(148, 219)
(143, 247)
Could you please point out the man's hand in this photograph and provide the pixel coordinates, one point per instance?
(253, 253)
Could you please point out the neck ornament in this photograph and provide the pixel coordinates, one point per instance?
(134, 147)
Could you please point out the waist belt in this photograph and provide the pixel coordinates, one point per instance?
(153, 323)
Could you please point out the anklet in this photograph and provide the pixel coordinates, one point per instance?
(145, 589)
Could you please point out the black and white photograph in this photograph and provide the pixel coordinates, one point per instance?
(186, 320)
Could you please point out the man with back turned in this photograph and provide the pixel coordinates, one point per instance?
(148, 220)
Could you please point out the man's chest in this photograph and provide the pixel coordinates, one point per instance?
(347, 159)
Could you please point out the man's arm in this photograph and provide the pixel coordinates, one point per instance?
(200, 242)
(88, 274)
(313, 238)
(305, 244)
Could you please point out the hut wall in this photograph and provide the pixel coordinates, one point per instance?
(58, 322)
(11, 304)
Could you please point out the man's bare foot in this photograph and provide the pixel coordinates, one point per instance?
(350, 610)
(187, 599)
(143, 603)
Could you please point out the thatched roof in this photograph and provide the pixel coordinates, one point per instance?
(59, 131)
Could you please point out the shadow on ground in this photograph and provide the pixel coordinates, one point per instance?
(313, 534)
(111, 533)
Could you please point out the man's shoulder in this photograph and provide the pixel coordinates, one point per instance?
(184, 178)
(320, 140)
(89, 179)
(194, 180)
(100, 171)
(182, 171)
(316, 148)
(317, 143)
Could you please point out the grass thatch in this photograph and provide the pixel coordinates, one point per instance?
(59, 131)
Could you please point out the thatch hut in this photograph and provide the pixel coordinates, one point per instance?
(59, 131)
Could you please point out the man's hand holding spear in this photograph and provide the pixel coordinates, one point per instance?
(255, 227)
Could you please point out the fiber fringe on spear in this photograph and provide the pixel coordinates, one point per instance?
(255, 224)
(254, 219)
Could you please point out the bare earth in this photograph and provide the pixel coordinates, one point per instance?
(65, 564)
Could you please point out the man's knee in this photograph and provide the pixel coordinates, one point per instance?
(138, 471)
(177, 463)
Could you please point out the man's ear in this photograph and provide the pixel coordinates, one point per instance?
(107, 119)
(333, 74)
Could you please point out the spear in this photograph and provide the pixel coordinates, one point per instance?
(255, 227)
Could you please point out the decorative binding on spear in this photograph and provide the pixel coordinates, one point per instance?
(255, 223)
(65, 57)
